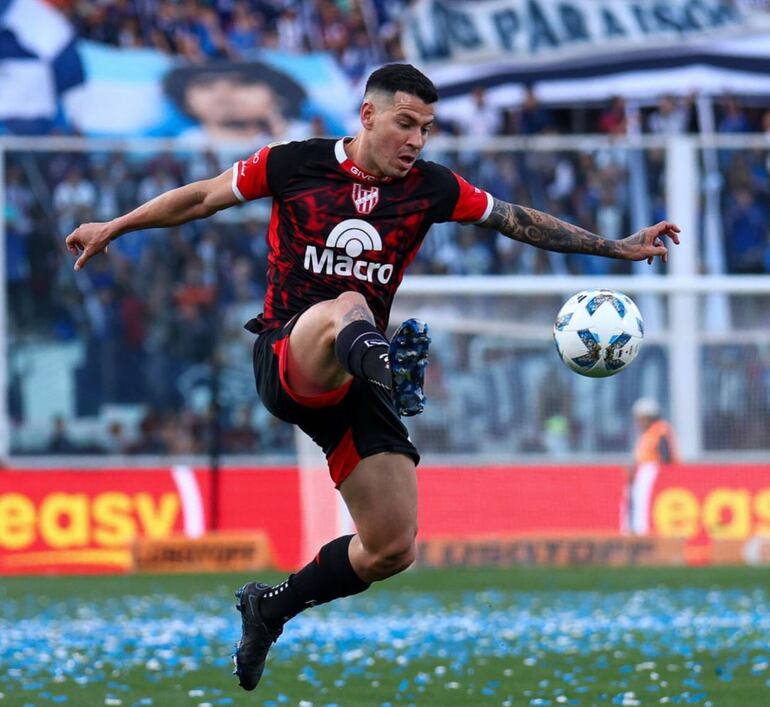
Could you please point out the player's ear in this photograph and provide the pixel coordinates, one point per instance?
(368, 109)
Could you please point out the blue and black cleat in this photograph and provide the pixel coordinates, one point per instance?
(256, 636)
(408, 358)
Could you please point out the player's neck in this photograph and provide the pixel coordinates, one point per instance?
(357, 152)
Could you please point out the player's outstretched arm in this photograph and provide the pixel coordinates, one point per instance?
(176, 206)
(545, 231)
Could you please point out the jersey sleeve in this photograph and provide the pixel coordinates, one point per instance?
(250, 176)
(267, 171)
(473, 205)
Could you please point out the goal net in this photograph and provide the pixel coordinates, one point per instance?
(498, 391)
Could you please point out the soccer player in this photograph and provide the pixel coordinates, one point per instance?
(348, 217)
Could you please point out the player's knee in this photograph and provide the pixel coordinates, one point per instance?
(395, 556)
(350, 299)
(347, 302)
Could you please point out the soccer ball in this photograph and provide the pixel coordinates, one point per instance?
(598, 332)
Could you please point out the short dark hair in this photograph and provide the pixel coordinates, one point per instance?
(402, 77)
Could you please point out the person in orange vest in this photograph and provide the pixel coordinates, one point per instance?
(655, 445)
(656, 442)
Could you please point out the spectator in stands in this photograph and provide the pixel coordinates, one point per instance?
(116, 441)
(726, 376)
(18, 216)
(245, 31)
(164, 33)
(533, 118)
(765, 124)
(290, 33)
(159, 179)
(671, 117)
(209, 39)
(201, 31)
(60, 443)
(612, 121)
(746, 227)
(183, 434)
(150, 440)
(74, 199)
(734, 119)
(609, 217)
(554, 412)
(481, 119)
(358, 55)
(240, 437)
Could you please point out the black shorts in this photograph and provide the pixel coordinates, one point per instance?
(349, 423)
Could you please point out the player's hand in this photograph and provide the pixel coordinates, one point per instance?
(88, 240)
(647, 244)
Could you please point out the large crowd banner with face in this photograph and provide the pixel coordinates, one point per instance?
(272, 96)
(579, 50)
(53, 81)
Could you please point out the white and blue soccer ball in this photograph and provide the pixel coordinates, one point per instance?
(598, 332)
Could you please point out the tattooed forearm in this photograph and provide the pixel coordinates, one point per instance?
(548, 232)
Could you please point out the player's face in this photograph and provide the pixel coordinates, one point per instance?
(399, 129)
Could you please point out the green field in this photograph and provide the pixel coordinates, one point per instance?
(454, 637)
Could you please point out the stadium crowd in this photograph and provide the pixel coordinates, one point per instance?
(357, 32)
(150, 314)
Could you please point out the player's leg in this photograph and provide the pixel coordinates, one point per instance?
(301, 376)
(333, 340)
(381, 494)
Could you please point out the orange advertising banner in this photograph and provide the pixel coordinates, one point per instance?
(213, 552)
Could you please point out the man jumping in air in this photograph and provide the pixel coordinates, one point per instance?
(348, 218)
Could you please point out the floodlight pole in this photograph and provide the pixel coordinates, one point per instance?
(5, 422)
(215, 434)
(682, 180)
(215, 412)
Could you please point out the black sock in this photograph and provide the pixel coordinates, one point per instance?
(363, 352)
(329, 576)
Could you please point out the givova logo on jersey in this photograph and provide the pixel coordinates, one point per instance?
(354, 236)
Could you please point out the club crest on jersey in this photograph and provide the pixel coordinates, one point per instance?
(365, 198)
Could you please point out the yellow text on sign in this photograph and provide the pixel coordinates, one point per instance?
(722, 514)
(71, 520)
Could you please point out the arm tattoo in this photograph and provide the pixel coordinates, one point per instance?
(358, 312)
(548, 232)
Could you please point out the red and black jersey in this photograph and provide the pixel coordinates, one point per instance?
(334, 228)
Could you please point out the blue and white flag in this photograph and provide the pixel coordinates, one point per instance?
(39, 63)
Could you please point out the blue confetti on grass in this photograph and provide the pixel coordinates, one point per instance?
(166, 637)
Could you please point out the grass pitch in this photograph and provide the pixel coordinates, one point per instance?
(444, 638)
